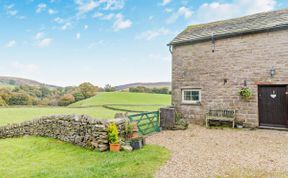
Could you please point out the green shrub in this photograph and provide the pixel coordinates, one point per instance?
(66, 100)
(128, 128)
(78, 96)
(245, 93)
(113, 133)
(20, 99)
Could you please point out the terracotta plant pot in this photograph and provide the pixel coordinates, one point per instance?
(114, 147)
(135, 127)
(135, 130)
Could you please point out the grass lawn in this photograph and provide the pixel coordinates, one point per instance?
(125, 98)
(20, 114)
(45, 157)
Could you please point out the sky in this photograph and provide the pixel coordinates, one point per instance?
(67, 42)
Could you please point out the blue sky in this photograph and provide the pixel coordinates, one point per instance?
(66, 42)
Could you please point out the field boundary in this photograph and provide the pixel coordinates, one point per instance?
(114, 107)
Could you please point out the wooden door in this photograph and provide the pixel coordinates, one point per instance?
(273, 108)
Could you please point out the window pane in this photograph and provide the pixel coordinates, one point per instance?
(191, 95)
(188, 98)
(195, 93)
(195, 98)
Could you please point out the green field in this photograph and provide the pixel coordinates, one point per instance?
(125, 98)
(20, 114)
(45, 157)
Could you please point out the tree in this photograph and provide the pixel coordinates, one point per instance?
(2, 102)
(5, 94)
(66, 100)
(19, 99)
(87, 89)
(78, 96)
(45, 91)
(109, 88)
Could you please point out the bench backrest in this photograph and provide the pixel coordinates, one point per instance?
(222, 113)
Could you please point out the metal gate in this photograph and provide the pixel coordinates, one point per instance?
(147, 122)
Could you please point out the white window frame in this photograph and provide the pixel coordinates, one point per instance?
(191, 101)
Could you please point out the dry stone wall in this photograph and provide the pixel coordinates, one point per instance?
(80, 130)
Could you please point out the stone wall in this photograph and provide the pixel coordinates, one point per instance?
(76, 129)
(247, 57)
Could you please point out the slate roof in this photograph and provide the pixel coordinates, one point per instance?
(233, 27)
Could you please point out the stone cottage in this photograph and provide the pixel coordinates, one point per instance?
(213, 61)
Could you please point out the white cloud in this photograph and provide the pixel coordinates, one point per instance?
(98, 14)
(168, 10)
(86, 27)
(85, 6)
(45, 42)
(58, 20)
(78, 36)
(26, 68)
(11, 44)
(218, 11)
(102, 16)
(108, 16)
(165, 2)
(52, 11)
(10, 10)
(182, 12)
(121, 23)
(113, 4)
(152, 34)
(66, 26)
(39, 35)
(42, 41)
(41, 7)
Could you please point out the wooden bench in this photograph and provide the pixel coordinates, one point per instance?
(221, 115)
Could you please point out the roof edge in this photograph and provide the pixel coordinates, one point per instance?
(228, 35)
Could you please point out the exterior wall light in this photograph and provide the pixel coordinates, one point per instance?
(272, 72)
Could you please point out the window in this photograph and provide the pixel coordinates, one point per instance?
(191, 96)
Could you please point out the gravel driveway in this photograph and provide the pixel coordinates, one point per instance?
(201, 152)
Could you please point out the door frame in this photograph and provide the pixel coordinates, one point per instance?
(258, 102)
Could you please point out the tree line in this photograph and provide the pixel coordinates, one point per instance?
(46, 96)
(141, 89)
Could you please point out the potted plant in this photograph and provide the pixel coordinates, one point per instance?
(136, 143)
(129, 130)
(240, 124)
(113, 137)
(245, 93)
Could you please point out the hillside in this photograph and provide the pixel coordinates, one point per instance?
(14, 81)
(124, 98)
(148, 85)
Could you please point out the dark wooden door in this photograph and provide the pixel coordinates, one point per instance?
(273, 108)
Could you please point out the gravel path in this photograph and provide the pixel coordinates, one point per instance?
(201, 152)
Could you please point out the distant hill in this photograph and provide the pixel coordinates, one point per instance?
(148, 85)
(14, 81)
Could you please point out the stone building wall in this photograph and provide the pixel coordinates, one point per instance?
(248, 57)
(76, 129)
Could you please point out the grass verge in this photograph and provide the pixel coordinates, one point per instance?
(45, 157)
